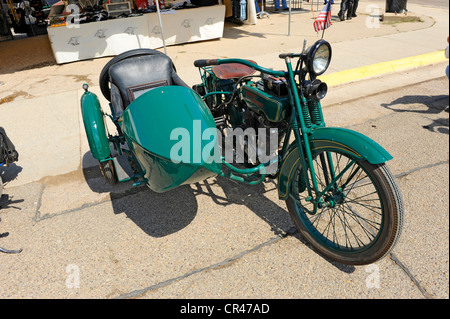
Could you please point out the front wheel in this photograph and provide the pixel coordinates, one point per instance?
(359, 216)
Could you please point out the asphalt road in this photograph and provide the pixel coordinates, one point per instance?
(217, 239)
(432, 3)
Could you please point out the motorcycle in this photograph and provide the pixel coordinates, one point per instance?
(8, 153)
(338, 190)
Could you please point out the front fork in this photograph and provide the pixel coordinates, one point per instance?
(315, 196)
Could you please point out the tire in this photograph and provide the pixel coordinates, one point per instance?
(360, 224)
(1, 187)
(104, 75)
(109, 172)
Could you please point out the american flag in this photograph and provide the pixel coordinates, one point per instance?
(323, 20)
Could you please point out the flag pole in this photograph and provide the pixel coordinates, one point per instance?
(289, 27)
(161, 26)
(328, 11)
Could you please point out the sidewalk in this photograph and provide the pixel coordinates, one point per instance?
(42, 116)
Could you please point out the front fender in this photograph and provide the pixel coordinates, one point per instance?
(94, 126)
(348, 142)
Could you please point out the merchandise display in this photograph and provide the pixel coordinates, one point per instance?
(26, 16)
(22, 14)
(86, 11)
(95, 29)
(87, 29)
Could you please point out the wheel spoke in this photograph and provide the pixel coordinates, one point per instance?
(354, 201)
(352, 230)
(352, 218)
(365, 224)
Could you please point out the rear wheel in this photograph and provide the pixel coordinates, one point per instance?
(358, 219)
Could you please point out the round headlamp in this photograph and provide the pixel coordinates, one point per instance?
(319, 58)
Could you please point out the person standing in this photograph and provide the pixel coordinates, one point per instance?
(346, 9)
(355, 6)
(283, 5)
(257, 6)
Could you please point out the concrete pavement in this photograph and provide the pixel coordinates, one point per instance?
(102, 229)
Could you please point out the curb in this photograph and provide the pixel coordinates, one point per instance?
(378, 69)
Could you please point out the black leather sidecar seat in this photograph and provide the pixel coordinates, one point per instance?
(135, 72)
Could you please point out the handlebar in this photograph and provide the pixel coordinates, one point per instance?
(290, 55)
(205, 62)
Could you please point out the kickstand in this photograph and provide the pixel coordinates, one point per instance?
(7, 251)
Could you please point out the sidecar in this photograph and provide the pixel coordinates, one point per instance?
(164, 129)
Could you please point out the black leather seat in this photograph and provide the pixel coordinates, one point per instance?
(135, 75)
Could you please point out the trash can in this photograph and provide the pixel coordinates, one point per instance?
(396, 6)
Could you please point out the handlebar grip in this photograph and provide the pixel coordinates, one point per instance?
(290, 55)
(285, 55)
(205, 62)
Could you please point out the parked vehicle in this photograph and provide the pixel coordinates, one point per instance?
(446, 55)
(8, 153)
(338, 190)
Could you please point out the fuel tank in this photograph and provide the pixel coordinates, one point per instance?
(275, 107)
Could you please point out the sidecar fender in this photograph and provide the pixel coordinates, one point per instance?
(340, 140)
(94, 126)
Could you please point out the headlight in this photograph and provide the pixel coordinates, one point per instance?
(319, 57)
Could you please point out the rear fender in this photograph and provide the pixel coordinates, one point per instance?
(94, 126)
(340, 140)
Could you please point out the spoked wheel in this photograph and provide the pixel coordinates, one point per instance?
(360, 216)
(109, 172)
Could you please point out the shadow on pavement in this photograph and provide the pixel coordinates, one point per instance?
(162, 214)
(434, 104)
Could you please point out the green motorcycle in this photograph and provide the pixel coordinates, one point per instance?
(248, 123)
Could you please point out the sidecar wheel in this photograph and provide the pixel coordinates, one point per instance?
(361, 218)
(109, 172)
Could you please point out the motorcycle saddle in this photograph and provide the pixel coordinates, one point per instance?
(232, 70)
(131, 77)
